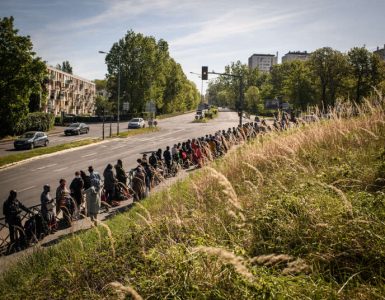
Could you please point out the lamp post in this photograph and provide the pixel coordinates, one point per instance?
(118, 117)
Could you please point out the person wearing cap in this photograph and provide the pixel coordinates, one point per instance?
(11, 210)
(47, 208)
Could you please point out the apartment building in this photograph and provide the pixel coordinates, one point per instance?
(380, 52)
(263, 62)
(69, 93)
(295, 55)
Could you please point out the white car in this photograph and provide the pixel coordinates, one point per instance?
(136, 123)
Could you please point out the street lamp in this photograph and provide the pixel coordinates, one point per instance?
(118, 118)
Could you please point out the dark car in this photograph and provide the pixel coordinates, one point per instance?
(30, 140)
(76, 128)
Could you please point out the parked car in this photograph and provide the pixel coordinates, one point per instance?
(136, 123)
(30, 140)
(77, 128)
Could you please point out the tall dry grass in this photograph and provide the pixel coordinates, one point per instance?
(296, 214)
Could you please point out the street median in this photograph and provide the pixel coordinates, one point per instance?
(17, 157)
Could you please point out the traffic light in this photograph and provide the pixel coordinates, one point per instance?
(205, 72)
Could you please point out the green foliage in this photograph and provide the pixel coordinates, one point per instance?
(65, 67)
(330, 68)
(21, 74)
(36, 121)
(102, 106)
(100, 84)
(326, 76)
(367, 71)
(148, 73)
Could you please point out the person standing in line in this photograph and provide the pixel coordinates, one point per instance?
(95, 178)
(64, 201)
(167, 158)
(11, 210)
(109, 183)
(47, 208)
(121, 174)
(76, 188)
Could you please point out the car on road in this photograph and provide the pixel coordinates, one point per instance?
(136, 123)
(30, 140)
(77, 128)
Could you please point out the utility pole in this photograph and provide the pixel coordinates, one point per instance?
(118, 117)
(240, 100)
(118, 97)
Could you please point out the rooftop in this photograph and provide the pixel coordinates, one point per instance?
(270, 55)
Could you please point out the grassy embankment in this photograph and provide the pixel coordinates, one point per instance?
(297, 214)
(9, 159)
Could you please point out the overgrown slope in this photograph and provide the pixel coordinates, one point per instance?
(297, 214)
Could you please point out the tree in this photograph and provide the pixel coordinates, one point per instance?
(147, 73)
(65, 67)
(253, 102)
(329, 68)
(366, 71)
(297, 87)
(102, 106)
(21, 74)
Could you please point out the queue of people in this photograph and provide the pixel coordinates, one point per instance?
(87, 194)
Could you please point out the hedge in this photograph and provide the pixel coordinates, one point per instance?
(38, 121)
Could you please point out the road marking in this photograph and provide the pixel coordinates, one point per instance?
(28, 188)
(61, 169)
(44, 167)
(89, 154)
(117, 147)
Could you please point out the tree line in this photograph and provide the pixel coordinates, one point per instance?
(147, 74)
(325, 77)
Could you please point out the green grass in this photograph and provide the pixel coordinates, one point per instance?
(160, 117)
(291, 215)
(9, 159)
(133, 132)
(203, 120)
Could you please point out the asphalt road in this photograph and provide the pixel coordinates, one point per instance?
(29, 177)
(96, 130)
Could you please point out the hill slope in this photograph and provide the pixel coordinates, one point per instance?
(290, 215)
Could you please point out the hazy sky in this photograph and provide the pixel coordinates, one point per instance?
(212, 33)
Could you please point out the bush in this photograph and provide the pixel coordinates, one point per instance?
(36, 121)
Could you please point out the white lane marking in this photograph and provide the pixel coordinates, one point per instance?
(44, 167)
(117, 147)
(26, 189)
(61, 169)
(89, 154)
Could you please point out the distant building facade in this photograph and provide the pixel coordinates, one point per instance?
(380, 52)
(69, 93)
(295, 55)
(263, 62)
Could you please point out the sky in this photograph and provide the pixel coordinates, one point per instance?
(209, 33)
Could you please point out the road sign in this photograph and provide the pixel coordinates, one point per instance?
(151, 107)
(126, 106)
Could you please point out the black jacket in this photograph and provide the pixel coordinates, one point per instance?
(11, 209)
